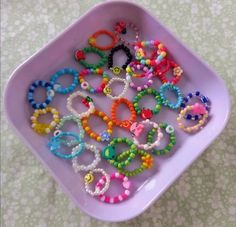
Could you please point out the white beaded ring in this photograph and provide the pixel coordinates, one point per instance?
(88, 101)
(77, 167)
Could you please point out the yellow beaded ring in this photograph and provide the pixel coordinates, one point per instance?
(44, 128)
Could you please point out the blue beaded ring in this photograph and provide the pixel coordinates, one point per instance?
(49, 90)
(202, 98)
(58, 87)
(165, 101)
(56, 142)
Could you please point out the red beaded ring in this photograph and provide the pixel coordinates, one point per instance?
(123, 123)
(93, 42)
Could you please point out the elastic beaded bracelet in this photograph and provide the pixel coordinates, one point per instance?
(121, 28)
(89, 178)
(177, 71)
(176, 90)
(141, 55)
(77, 167)
(123, 123)
(56, 141)
(146, 159)
(119, 198)
(107, 90)
(80, 57)
(172, 139)
(103, 136)
(93, 39)
(44, 128)
(87, 101)
(137, 128)
(58, 87)
(117, 69)
(49, 91)
(205, 101)
(145, 112)
(109, 152)
(86, 86)
(196, 109)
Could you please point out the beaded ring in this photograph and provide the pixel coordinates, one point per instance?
(119, 198)
(176, 90)
(49, 91)
(177, 71)
(89, 178)
(55, 144)
(103, 136)
(80, 57)
(169, 130)
(77, 167)
(205, 101)
(93, 39)
(145, 112)
(58, 87)
(146, 159)
(117, 69)
(123, 123)
(121, 28)
(85, 85)
(44, 128)
(141, 55)
(87, 101)
(107, 90)
(136, 130)
(196, 109)
(109, 152)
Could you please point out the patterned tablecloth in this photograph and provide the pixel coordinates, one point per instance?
(205, 195)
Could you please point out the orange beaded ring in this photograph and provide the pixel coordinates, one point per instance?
(123, 123)
(93, 42)
(103, 136)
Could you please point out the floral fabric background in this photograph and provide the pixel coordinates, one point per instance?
(205, 195)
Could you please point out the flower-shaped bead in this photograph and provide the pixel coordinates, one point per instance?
(147, 161)
(170, 129)
(105, 136)
(177, 71)
(79, 55)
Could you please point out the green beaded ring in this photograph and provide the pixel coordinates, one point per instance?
(147, 113)
(147, 163)
(170, 130)
(80, 57)
(109, 152)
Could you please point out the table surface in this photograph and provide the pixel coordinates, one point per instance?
(205, 195)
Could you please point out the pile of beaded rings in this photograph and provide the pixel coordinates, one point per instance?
(205, 101)
(141, 55)
(93, 39)
(78, 167)
(103, 136)
(81, 58)
(145, 112)
(119, 198)
(58, 87)
(109, 152)
(146, 159)
(89, 178)
(123, 123)
(167, 64)
(56, 141)
(117, 69)
(49, 90)
(85, 85)
(147, 74)
(170, 87)
(137, 128)
(107, 90)
(195, 109)
(44, 128)
(87, 101)
(172, 139)
(121, 29)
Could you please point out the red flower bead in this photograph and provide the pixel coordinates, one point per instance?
(79, 55)
(146, 113)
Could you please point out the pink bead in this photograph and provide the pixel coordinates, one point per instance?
(198, 109)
